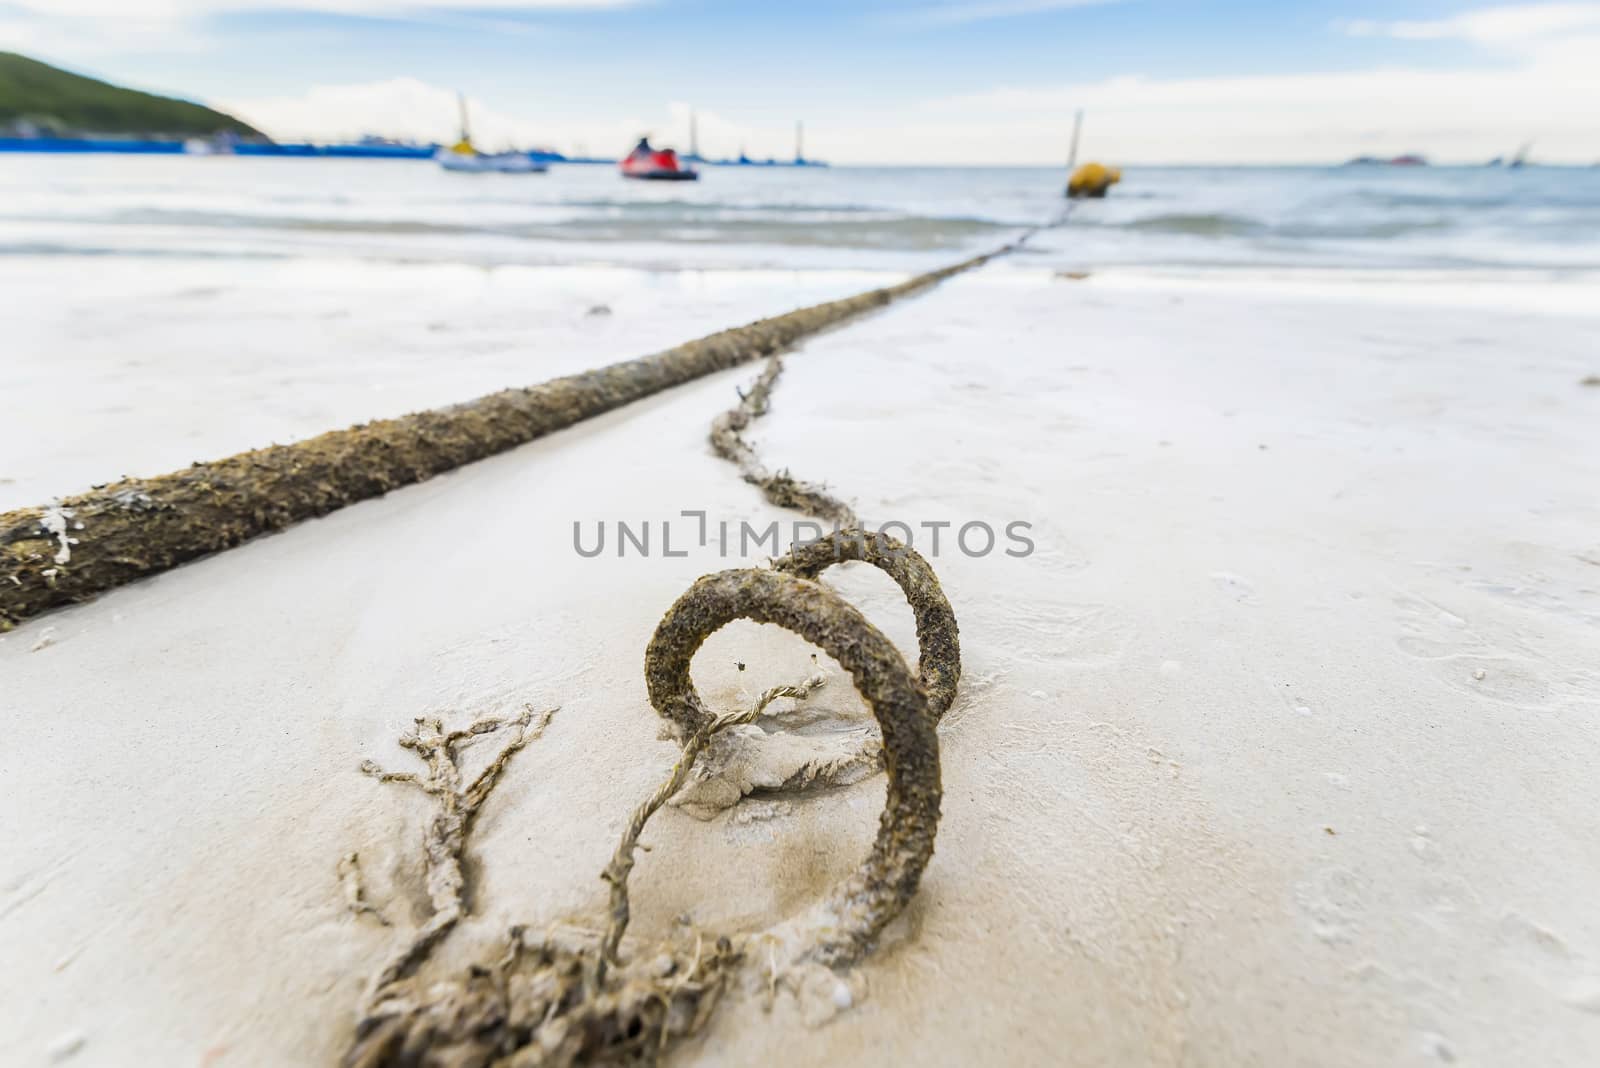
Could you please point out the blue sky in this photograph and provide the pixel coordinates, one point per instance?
(877, 80)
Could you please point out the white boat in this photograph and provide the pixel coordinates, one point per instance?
(465, 158)
(472, 161)
(208, 146)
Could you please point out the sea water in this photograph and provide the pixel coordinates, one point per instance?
(160, 310)
(1543, 218)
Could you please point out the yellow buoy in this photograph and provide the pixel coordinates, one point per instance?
(1092, 180)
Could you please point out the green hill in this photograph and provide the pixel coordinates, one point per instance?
(63, 102)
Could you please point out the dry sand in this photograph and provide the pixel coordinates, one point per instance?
(1279, 750)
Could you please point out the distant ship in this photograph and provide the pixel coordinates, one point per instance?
(744, 160)
(1409, 159)
(1516, 162)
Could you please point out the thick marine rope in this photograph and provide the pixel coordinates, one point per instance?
(565, 1001)
(722, 774)
(781, 488)
(578, 1000)
(936, 623)
(71, 550)
(900, 702)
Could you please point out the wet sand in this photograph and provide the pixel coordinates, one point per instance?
(1278, 748)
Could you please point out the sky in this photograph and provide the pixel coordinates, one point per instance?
(876, 81)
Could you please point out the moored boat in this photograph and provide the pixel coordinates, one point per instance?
(463, 157)
(656, 164)
(219, 145)
(471, 161)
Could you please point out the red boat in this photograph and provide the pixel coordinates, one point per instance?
(656, 164)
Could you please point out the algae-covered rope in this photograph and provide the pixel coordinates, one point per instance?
(558, 1003)
(555, 1002)
(889, 876)
(781, 488)
(71, 550)
(938, 639)
(621, 865)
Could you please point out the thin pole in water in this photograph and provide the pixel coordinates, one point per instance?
(1077, 128)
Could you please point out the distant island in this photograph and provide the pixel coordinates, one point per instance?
(38, 100)
(1410, 159)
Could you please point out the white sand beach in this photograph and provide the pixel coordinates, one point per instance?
(1279, 749)
(144, 370)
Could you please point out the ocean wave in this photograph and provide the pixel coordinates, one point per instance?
(1386, 199)
(1204, 224)
(1331, 215)
(779, 207)
(1364, 231)
(889, 232)
(1232, 225)
(224, 220)
(63, 248)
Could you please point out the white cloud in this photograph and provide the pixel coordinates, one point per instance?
(1538, 81)
(1540, 86)
(1489, 26)
(46, 37)
(1467, 115)
(399, 107)
(79, 30)
(411, 109)
(721, 136)
(180, 9)
(1462, 114)
(954, 14)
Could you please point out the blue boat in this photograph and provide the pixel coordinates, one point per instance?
(82, 145)
(90, 144)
